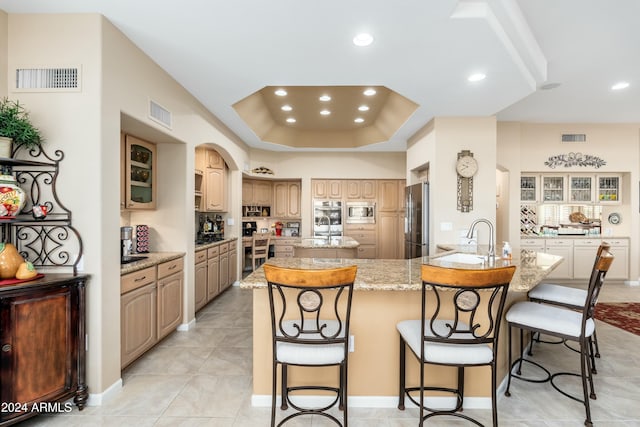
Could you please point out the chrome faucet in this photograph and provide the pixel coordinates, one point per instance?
(328, 223)
(492, 244)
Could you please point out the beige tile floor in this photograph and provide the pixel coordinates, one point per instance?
(203, 378)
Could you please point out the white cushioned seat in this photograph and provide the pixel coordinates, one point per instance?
(463, 354)
(320, 354)
(549, 318)
(558, 293)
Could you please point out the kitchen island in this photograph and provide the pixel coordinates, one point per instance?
(387, 291)
(326, 247)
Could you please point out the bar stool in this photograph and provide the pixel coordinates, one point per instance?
(563, 323)
(310, 315)
(259, 248)
(573, 298)
(459, 328)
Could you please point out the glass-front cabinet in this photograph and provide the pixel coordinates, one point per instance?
(609, 189)
(554, 188)
(140, 174)
(529, 188)
(581, 188)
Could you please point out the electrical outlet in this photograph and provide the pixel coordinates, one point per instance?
(352, 343)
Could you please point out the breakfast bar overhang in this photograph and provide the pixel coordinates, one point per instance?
(387, 292)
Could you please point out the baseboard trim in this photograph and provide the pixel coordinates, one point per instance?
(97, 399)
(183, 327)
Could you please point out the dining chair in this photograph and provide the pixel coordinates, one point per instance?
(310, 315)
(459, 325)
(259, 248)
(569, 297)
(563, 323)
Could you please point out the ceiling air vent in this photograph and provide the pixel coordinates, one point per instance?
(160, 114)
(574, 137)
(48, 79)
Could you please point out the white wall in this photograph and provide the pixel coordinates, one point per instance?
(439, 147)
(4, 33)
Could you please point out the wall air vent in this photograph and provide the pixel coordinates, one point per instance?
(159, 114)
(574, 137)
(48, 79)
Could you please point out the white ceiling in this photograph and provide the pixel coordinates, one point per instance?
(223, 51)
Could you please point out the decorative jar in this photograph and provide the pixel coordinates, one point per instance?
(12, 197)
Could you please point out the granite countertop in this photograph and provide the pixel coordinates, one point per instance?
(342, 242)
(152, 259)
(571, 236)
(404, 275)
(201, 246)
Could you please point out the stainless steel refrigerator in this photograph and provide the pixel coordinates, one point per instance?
(416, 221)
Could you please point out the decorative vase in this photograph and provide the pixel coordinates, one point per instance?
(12, 197)
(6, 147)
(10, 260)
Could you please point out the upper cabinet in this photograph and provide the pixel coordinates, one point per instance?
(140, 169)
(326, 188)
(214, 180)
(554, 188)
(256, 193)
(286, 197)
(609, 189)
(529, 188)
(571, 188)
(391, 195)
(358, 189)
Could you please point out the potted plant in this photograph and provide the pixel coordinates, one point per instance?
(16, 126)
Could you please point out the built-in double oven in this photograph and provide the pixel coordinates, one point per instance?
(361, 213)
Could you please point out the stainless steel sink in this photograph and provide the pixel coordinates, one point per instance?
(129, 259)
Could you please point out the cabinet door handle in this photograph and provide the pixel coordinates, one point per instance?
(173, 266)
(140, 278)
(6, 348)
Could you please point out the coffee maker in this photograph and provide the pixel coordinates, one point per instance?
(126, 241)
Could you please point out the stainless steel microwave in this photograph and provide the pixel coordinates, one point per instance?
(361, 212)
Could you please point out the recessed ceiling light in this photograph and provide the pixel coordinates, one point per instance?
(291, 120)
(620, 86)
(286, 108)
(325, 98)
(325, 112)
(281, 92)
(363, 108)
(369, 92)
(476, 77)
(358, 120)
(363, 39)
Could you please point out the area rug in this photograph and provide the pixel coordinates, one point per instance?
(624, 315)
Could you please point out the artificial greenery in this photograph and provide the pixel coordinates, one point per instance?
(15, 124)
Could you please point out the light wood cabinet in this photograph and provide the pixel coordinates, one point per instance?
(283, 246)
(360, 189)
(200, 278)
(233, 262)
(366, 235)
(223, 282)
(286, 197)
(326, 188)
(257, 193)
(170, 284)
(139, 326)
(140, 174)
(325, 253)
(215, 190)
(213, 272)
(214, 160)
(151, 307)
(390, 195)
(391, 235)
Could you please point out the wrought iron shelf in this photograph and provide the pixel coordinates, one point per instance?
(52, 242)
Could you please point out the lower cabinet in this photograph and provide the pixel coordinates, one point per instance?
(42, 328)
(216, 268)
(325, 252)
(223, 282)
(151, 304)
(213, 272)
(233, 262)
(200, 275)
(283, 246)
(366, 235)
(391, 235)
(579, 255)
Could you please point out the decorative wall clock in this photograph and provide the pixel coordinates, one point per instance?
(466, 168)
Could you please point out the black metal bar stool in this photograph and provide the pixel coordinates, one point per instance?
(563, 323)
(310, 315)
(460, 328)
(573, 298)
